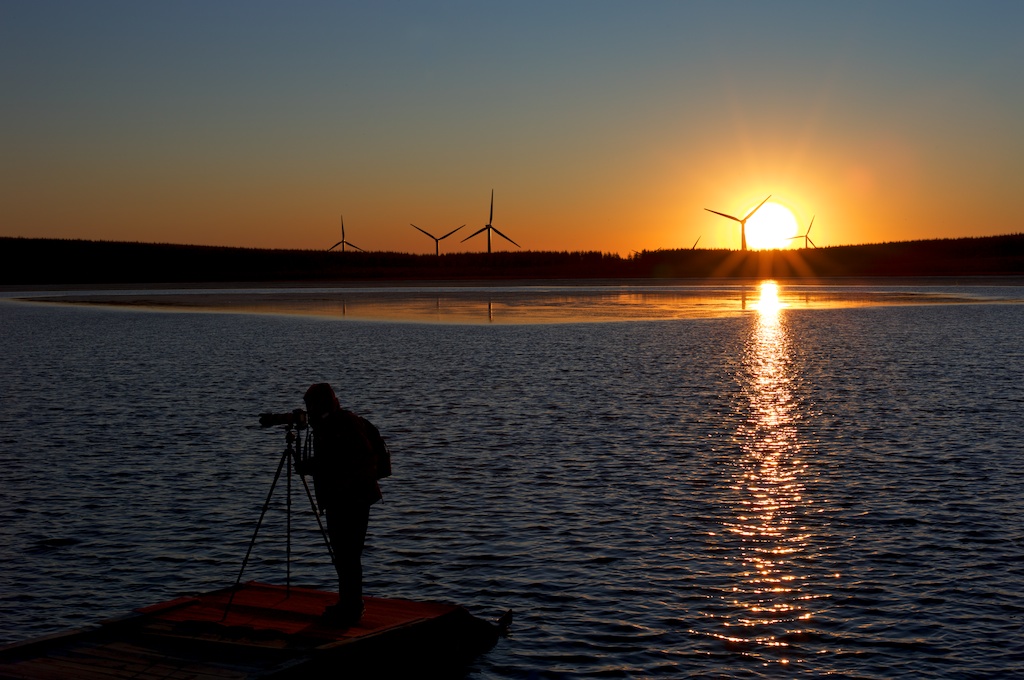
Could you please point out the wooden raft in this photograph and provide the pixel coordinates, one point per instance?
(269, 632)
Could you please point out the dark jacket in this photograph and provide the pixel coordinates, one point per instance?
(344, 469)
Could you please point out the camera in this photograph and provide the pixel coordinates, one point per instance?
(296, 419)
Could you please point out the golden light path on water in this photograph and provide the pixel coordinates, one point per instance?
(770, 598)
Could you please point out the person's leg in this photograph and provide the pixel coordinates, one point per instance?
(346, 527)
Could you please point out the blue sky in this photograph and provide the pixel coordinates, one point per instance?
(600, 125)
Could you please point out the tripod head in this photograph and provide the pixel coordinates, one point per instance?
(293, 422)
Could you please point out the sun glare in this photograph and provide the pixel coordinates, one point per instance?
(773, 226)
(769, 303)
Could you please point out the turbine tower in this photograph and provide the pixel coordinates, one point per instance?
(343, 242)
(743, 222)
(489, 228)
(437, 240)
(806, 236)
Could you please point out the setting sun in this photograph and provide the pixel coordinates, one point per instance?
(773, 226)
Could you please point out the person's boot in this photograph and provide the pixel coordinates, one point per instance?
(343, 614)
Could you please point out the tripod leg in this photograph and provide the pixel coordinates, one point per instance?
(319, 522)
(266, 505)
(288, 525)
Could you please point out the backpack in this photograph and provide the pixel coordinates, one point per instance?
(381, 452)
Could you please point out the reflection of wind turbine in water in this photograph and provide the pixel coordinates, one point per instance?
(343, 242)
(743, 222)
(806, 236)
(437, 239)
(489, 228)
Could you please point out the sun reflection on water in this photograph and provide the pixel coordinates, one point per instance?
(767, 607)
(769, 304)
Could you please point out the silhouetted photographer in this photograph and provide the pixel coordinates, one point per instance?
(349, 456)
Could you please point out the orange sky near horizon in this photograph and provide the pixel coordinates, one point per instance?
(608, 132)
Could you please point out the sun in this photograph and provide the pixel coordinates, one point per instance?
(773, 226)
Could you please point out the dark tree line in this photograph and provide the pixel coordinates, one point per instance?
(59, 261)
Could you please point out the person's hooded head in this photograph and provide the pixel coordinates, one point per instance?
(320, 401)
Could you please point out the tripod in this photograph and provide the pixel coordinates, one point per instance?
(295, 450)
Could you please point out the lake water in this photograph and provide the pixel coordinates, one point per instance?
(734, 482)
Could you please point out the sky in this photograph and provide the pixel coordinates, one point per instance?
(599, 126)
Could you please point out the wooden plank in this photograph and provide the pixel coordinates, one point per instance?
(269, 631)
(118, 660)
(297, 613)
(135, 658)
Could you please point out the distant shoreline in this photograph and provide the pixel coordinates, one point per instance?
(61, 263)
(284, 286)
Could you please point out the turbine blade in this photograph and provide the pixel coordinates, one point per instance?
(450, 233)
(811, 224)
(811, 242)
(335, 246)
(475, 233)
(352, 245)
(490, 220)
(506, 238)
(757, 208)
(695, 243)
(724, 215)
(423, 230)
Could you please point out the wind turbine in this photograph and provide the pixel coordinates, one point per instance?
(437, 240)
(343, 242)
(743, 222)
(806, 235)
(489, 228)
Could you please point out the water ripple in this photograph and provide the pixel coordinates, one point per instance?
(811, 492)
